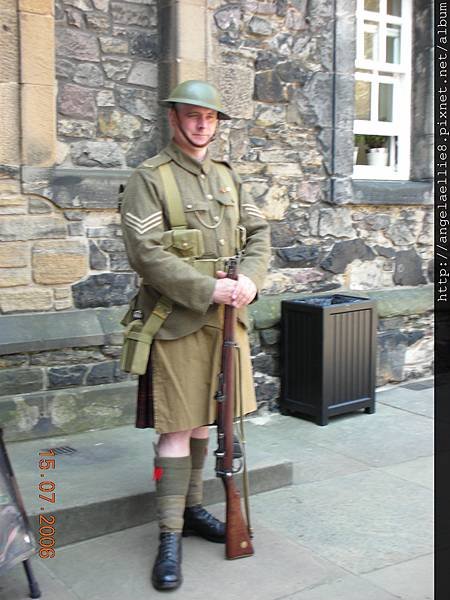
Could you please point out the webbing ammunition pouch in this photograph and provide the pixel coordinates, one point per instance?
(186, 243)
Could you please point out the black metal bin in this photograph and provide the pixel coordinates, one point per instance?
(328, 356)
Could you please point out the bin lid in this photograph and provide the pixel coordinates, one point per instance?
(330, 300)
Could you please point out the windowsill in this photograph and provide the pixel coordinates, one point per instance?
(378, 173)
(404, 192)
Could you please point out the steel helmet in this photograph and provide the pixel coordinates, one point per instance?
(198, 93)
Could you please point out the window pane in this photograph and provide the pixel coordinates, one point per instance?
(393, 44)
(371, 40)
(372, 5)
(385, 100)
(394, 7)
(362, 99)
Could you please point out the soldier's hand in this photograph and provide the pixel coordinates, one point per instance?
(244, 291)
(236, 293)
(223, 292)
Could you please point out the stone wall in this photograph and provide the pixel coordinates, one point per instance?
(60, 241)
(64, 275)
(273, 61)
(75, 383)
(107, 72)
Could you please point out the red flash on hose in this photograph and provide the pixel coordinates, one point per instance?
(157, 473)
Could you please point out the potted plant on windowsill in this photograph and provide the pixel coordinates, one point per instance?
(360, 143)
(377, 155)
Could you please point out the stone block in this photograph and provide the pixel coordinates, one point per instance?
(14, 277)
(408, 268)
(31, 228)
(117, 69)
(101, 373)
(37, 48)
(9, 61)
(133, 14)
(259, 26)
(76, 229)
(269, 88)
(78, 45)
(76, 128)
(107, 289)
(144, 45)
(16, 205)
(336, 222)
(9, 124)
(96, 22)
(101, 4)
(77, 101)
(59, 262)
(144, 73)
(39, 7)
(106, 98)
(141, 150)
(88, 74)
(64, 68)
(117, 124)
(84, 5)
(25, 300)
(97, 154)
(38, 125)
(21, 381)
(113, 45)
(300, 256)
(97, 259)
(13, 360)
(236, 84)
(343, 253)
(141, 103)
(38, 332)
(14, 254)
(62, 377)
(36, 206)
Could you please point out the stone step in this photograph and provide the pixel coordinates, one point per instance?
(103, 480)
(67, 411)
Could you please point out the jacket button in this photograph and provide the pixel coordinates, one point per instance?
(188, 205)
(216, 218)
(222, 242)
(209, 196)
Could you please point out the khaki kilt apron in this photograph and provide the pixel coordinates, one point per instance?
(178, 390)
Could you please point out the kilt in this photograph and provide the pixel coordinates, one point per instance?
(178, 390)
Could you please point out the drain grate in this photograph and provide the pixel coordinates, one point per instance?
(60, 450)
(420, 385)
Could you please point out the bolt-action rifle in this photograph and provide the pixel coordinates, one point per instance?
(238, 543)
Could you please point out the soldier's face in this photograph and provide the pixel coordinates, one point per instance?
(193, 126)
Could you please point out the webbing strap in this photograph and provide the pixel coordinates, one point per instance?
(159, 314)
(177, 219)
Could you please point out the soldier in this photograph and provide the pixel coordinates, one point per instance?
(183, 213)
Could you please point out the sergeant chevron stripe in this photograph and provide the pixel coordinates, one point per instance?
(253, 210)
(141, 226)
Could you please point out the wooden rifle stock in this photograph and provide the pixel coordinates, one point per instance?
(238, 543)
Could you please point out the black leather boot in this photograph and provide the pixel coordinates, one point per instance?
(166, 573)
(198, 521)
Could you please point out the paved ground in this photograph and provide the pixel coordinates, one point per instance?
(356, 523)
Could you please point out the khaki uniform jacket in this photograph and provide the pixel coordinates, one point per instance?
(209, 207)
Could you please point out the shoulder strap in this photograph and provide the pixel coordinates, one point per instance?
(177, 219)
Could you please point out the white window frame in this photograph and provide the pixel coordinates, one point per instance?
(400, 127)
